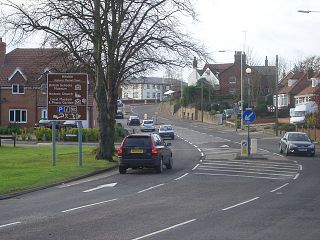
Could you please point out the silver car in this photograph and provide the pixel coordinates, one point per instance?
(166, 131)
(147, 125)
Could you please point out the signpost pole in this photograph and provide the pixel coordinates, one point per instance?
(80, 142)
(249, 145)
(53, 143)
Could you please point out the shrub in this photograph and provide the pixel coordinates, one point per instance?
(44, 134)
(287, 127)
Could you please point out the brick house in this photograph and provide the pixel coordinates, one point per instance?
(226, 78)
(23, 84)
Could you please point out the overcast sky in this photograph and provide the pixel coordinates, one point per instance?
(266, 27)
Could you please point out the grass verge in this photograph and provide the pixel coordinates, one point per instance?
(23, 168)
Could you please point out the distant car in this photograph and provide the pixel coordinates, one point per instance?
(119, 115)
(133, 121)
(70, 124)
(296, 143)
(227, 113)
(147, 125)
(45, 123)
(144, 150)
(166, 131)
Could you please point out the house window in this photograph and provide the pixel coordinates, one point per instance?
(148, 95)
(17, 89)
(148, 86)
(283, 100)
(154, 86)
(126, 95)
(44, 113)
(167, 88)
(43, 88)
(135, 95)
(232, 80)
(153, 95)
(17, 115)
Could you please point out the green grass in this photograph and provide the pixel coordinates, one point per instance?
(24, 168)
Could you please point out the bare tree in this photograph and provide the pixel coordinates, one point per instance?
(113, 40)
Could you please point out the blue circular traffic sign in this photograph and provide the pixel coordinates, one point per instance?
(248, 116)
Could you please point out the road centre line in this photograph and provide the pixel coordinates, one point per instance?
(89, 205)
(9, 224)
(99, 187)
(181, 176)
(239, 204)
(195, 167)
(274, 190)
(147, 189)
(165, 229)
(237, 175)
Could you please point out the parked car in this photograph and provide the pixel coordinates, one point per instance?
(166, 131)
(133, 121)
(46, 124)
(227, 113)
(119, 115)
(70, 124)
(296, 143)
(147, 125)
(144, 151)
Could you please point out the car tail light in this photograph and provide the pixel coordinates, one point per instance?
(155, 151)
(120, 151)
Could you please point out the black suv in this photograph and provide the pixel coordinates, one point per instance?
(144, 151)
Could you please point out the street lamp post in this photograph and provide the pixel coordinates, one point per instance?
(201, 102)
(248, 71)
(307, 11)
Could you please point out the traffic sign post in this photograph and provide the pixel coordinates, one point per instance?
(248, 117)
(67, 100)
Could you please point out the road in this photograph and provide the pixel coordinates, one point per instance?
(207, 195)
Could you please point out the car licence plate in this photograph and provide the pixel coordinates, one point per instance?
(302, 150)
(136, 151)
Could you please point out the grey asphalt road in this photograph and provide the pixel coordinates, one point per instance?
(207, 195)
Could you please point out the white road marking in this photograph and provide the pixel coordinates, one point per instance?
(99, 187)
(298, 174)
(277, 154)
(199, 149)
(195, 167)
(202, 154)
(9, 224)
(236, 175)
(274, 190)
(195, 146)
(239, 204)
(89, 205)
(151, 188)
(300, 166)
(181, 176)
(165, 229)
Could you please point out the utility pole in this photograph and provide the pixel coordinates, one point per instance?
(276, 88)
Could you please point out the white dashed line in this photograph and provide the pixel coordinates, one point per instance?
(274, 190)
(165, 229)
(181, 176)
(89, 205)
(298, 174)
(195, 167)
(300, 167)
(9, 224)
(239, 204)
(151, 188)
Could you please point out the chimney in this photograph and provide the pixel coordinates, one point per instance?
(237, 58)
(266, 62)
(195, 63)
(310, 73)
(2, 51)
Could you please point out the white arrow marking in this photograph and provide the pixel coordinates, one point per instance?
(99, 187)
(247, 117)
(224, 146)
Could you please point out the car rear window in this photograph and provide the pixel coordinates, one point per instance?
(137, 142)
(148, 122)
(135, 120)
(166, 128)
(298, 137)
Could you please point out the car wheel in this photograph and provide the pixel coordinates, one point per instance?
(122, 170)
(280, 149)
(287, 151)
(169, 164)
(159, 168)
